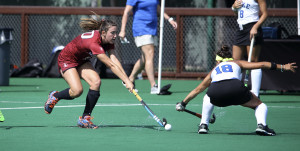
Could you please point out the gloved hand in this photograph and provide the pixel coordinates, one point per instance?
(180, 106)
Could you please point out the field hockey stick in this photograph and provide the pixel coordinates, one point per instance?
(161, 123)
(124, 40)
(249, 60)
(212, 120)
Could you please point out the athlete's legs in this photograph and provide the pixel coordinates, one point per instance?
(88, 73)
(148, 51)
(238, 53)
(207, 109)
(137, 68)
(71, 76)
(253, 103)
(260, 108)
(255, 53)
(256, 74)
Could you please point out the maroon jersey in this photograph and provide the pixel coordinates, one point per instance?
(81, 49)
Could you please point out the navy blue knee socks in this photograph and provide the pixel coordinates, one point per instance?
(64, 94)
(91, 100)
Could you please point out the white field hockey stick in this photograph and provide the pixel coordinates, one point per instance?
(249, 60)
(161, 123)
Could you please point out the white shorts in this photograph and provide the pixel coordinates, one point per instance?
(145, 40)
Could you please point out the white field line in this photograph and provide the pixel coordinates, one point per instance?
(111, 105)
(68, 106)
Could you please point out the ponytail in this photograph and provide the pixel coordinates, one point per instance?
(88, 24)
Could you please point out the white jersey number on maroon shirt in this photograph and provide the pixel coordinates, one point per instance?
(87, 35)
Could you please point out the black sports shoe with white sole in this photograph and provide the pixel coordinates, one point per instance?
(264, 130)
(203, 129)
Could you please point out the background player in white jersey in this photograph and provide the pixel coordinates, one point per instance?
(225, 89)
(249, 25)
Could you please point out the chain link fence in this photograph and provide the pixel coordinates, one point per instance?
(202, 37)
(13, 21)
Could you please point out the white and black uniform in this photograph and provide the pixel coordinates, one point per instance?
(226, 87)
(248, 15)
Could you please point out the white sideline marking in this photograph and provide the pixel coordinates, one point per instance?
(289, 107)
(67, 106)
(112, 105)
(16, 102)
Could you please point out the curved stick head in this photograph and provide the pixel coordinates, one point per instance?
(164, 121)
(213, 119)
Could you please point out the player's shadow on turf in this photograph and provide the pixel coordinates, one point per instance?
(153, 127)
(24, 91)
(134, 126)
(19, 85)
(181, 91)
(10, 127)
(252, 133)
(282, 101)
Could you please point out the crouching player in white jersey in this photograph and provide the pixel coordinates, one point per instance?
(225, 89)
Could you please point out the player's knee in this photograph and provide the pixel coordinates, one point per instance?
(149, 53)
(76, 92)
(96, 83)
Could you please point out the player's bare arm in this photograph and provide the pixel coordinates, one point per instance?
(264, 14)
(236, 5)
(115, 69)
(126, 13)
(115, 58)
(200, 88)
(267, 65)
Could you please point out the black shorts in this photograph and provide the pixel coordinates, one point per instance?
(228, 92)
(242, 37)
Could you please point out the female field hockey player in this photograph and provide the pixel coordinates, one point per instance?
(249, 25)
(225, 89)
(73, 63)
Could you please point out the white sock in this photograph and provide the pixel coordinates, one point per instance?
(261, 112)
(256, 75)
(207, 109)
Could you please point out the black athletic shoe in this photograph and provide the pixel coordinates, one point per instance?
(264, 130)
(203, 129)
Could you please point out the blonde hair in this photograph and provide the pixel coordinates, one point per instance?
(88, 24)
